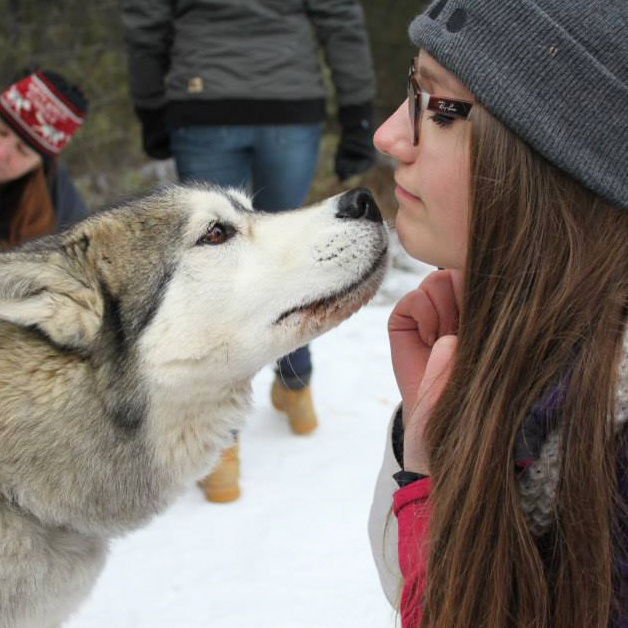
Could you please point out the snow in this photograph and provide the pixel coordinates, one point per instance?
(293, 552)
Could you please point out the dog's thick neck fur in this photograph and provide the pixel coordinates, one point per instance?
(172, 437)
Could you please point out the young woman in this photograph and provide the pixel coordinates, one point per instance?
(510, 469)
(38, 116)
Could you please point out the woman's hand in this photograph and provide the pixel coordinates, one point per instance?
(419, 319)
(435, 378)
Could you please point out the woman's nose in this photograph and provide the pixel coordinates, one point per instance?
(394, 136)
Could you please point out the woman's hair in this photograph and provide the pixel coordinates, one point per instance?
(545, 294)
(27, 208)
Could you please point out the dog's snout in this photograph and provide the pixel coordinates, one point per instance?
(358, 203)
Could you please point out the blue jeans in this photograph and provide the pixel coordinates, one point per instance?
(276, 163)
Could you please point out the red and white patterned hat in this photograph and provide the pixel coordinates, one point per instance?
(44, 110)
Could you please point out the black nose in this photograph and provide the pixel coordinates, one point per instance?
(358, 203)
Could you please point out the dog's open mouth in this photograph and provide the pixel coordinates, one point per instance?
(336, 300)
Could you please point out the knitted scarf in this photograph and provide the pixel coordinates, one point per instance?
(538, 484)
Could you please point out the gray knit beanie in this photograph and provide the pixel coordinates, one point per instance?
(554, 71)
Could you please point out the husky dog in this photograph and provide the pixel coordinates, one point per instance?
(127, 346)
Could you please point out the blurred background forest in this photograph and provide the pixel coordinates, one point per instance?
(82, 39)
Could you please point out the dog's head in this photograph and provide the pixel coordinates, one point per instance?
(190, 279)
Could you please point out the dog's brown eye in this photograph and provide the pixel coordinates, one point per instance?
(217, 234)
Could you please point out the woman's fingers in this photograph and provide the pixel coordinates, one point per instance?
(457, 278)
(411, 330)
(435, 378)
(417, 321)
(437, 371)
(415, 312)
(441, 290)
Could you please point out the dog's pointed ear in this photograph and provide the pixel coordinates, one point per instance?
(48, 291)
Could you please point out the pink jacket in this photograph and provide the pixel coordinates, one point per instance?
(412, 509)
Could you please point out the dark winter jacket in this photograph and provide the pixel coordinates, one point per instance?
(245, 62)
(67, 202)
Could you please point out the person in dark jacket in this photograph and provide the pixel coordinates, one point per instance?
(38, 116)
(234, 91)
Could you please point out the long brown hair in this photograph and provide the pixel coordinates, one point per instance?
(546, 287)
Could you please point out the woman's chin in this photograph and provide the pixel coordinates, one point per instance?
(422, 244)
(412, 242)
(409, 232)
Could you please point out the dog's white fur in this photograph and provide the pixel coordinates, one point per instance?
(127, 346)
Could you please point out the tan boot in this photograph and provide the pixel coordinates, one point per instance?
(297, 404)
(221, 485)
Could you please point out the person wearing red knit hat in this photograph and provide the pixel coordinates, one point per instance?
(39, 114)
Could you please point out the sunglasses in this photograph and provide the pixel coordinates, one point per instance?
(418, 101)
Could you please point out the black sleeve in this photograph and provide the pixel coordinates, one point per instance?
(402, 477)
(341, 32)
(148, 31)
(397, 436)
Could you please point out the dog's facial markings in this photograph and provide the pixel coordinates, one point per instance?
(304, 262)
(332, 299)
(126, 401)
(217, 233)
(155, 300)
(125, 333)
(239, 200)
(112, 320)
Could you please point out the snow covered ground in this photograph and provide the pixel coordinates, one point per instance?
(293, 552)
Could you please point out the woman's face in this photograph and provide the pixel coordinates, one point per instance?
(432, 178)
(16, 158)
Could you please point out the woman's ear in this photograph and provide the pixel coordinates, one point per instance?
(49, 291)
